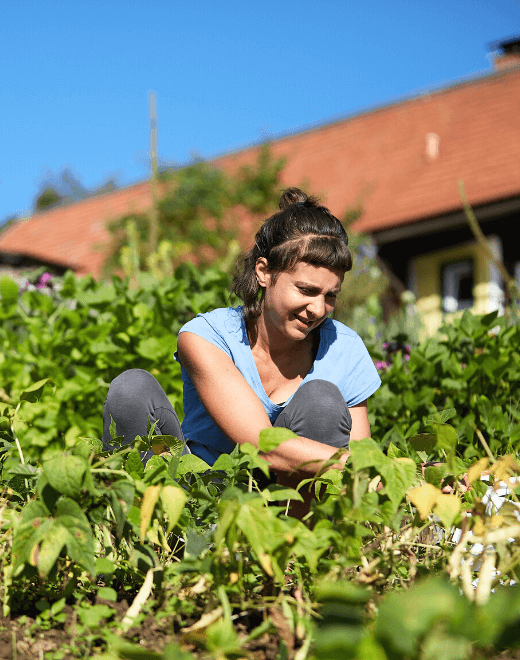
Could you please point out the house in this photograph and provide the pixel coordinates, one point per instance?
(399, 163)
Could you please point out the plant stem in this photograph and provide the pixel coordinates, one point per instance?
(485, 445)
(509, 282)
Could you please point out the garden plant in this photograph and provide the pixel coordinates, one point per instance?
(412, 551)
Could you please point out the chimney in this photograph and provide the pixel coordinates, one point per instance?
(509, 55)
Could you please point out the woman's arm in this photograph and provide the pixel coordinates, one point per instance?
(236, 409)
(360, 425)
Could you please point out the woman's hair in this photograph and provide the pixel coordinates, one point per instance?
(302, 230)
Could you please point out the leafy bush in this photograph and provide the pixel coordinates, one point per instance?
(230, 572)
(83, 336)
(472, 366)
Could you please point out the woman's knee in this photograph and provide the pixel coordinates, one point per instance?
(320, 396)
(318, 411)
(131, 384)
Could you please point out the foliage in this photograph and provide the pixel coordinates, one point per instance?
(196, 211)
(82, 333)
(396, 559)
(472, 367)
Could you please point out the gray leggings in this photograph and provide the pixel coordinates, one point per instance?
(317, 411)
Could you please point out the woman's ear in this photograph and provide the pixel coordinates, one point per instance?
(262, 272)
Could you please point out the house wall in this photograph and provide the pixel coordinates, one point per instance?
(426, 275)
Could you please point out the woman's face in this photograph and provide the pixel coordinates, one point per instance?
(297, 301)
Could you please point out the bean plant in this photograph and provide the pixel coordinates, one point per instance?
(406, 553)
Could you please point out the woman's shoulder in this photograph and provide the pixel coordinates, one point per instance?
(223, 321)
(218, 316)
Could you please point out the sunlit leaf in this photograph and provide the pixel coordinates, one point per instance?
(476, 469)
(173, 500)
(191, 464)
(150, 497)
(34, 392)
(424, 498)
(272, 438)
(446, 437)
(447, 507)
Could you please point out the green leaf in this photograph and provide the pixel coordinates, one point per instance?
(94, 615)
(225, 463)
(66, 474)
(272, 438)
(434, 474)
(175, 444)
(112, 428)
(398, 475)
(121, 496)
(447, 414)
(248, 449)
(107, 593)
(405, 617)
(276, 493)
(24, 469)
(393, 451)
(134, 464)
(196, 542)
(8, 291)
(423, 442)
(34, 392)
(44, 557)
(173, 500)
(155, 463)
(94, 444)
(80, 543)
(154, 348)
(446, 437)
(104, 566)
(367, 453)
(191, 464)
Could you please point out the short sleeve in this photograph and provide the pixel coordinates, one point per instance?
(360, 379)
(344, 360)
(202, 327)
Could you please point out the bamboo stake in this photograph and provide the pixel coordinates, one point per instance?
(153, 214)
(139, 601)
(510, 284)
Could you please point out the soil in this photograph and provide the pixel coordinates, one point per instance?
(19, 640)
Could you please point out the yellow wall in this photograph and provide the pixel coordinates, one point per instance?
(426, 274)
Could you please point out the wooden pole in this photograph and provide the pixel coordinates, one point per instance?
(153, 214)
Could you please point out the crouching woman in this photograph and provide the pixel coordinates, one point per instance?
(277, 360)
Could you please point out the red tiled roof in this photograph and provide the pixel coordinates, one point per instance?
(377, 159)
(75, 236)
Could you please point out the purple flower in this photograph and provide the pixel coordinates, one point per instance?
(45, 278)
(384, 346)
(382, 365)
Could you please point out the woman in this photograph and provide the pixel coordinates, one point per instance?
(278, 360)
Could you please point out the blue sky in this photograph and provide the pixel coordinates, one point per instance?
(75, 76)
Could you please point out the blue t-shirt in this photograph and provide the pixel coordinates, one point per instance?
(342, 359)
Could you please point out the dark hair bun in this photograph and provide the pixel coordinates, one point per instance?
(292, 196)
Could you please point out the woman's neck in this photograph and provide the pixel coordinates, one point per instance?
(270, 341)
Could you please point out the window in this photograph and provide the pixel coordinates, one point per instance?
(457, 285)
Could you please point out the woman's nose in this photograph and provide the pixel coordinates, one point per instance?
(317, 307)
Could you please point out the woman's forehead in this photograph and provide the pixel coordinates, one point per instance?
(322, 275)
